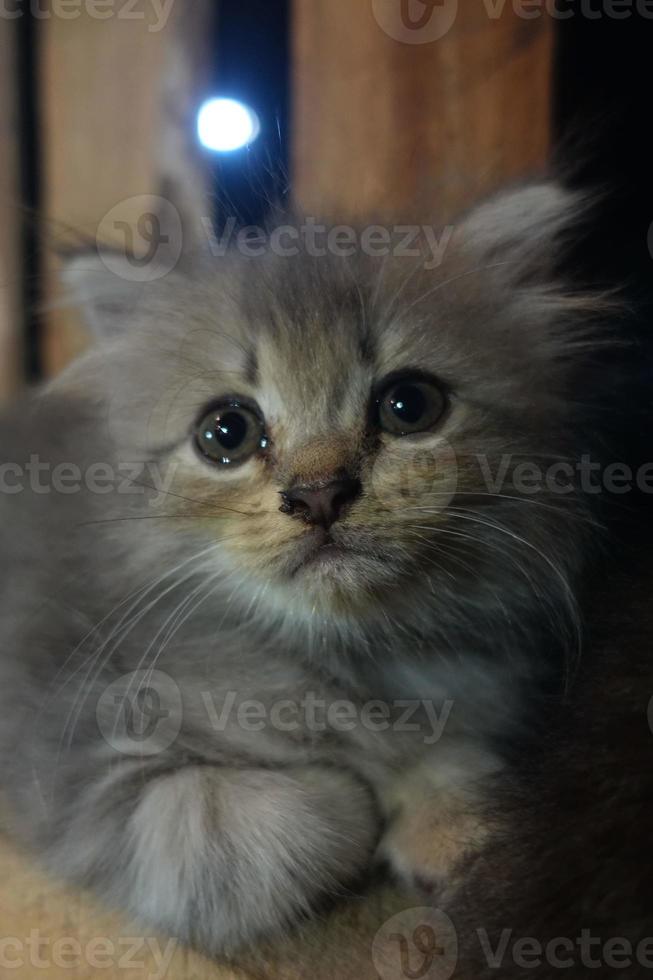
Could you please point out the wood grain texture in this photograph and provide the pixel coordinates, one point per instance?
(119, 99)
(381, 124)
(55, 932)
(10, 217)
(78, 938)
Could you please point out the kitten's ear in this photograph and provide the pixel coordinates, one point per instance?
(138, 243)
(522, 229)
(105, 297)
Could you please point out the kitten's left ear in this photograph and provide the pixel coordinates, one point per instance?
(523, 229)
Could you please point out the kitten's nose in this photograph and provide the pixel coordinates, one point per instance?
(321, 504)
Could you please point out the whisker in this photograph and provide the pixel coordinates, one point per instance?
(562, 509)
(170, 517)
(448, 282)
(568, 595)
(172, 624)
(190, 500)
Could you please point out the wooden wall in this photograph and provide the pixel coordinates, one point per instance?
(380, 126)
(381, 123)
(10, 216)
(118, 99)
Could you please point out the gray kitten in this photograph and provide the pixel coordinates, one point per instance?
(275, 601)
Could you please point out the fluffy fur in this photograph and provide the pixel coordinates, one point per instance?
(445, 591)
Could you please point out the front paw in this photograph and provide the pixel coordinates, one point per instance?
(437, 815)
(428, 841)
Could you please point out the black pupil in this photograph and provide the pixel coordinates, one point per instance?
(231, 429)
(408, 404)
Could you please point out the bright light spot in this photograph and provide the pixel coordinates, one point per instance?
(224, 125)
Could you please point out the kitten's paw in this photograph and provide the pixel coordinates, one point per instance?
(436, 816)
(426, 844)
(223, 858)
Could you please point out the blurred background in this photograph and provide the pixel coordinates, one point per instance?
(348, 108)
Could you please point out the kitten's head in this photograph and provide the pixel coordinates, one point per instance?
(347, 429)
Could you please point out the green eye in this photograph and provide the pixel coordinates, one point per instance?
(230, 433)
(410, 406)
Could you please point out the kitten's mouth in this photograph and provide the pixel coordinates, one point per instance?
(319, 550)
(329, 551)
(340, 554)
(342, 569)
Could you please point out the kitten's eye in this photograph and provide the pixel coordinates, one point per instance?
(411, 405)
(230, 433)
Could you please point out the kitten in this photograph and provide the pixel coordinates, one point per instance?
(277, 600)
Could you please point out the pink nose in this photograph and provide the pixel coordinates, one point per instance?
(321, 504)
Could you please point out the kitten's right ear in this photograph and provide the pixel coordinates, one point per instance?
(102, 286)
(138, 243)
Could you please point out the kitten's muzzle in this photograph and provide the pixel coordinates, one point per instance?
(320, 505)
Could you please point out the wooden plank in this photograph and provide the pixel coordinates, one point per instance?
(381, 124)
(81, 939)
(78, 937)
(119, 99)
(10, 217)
